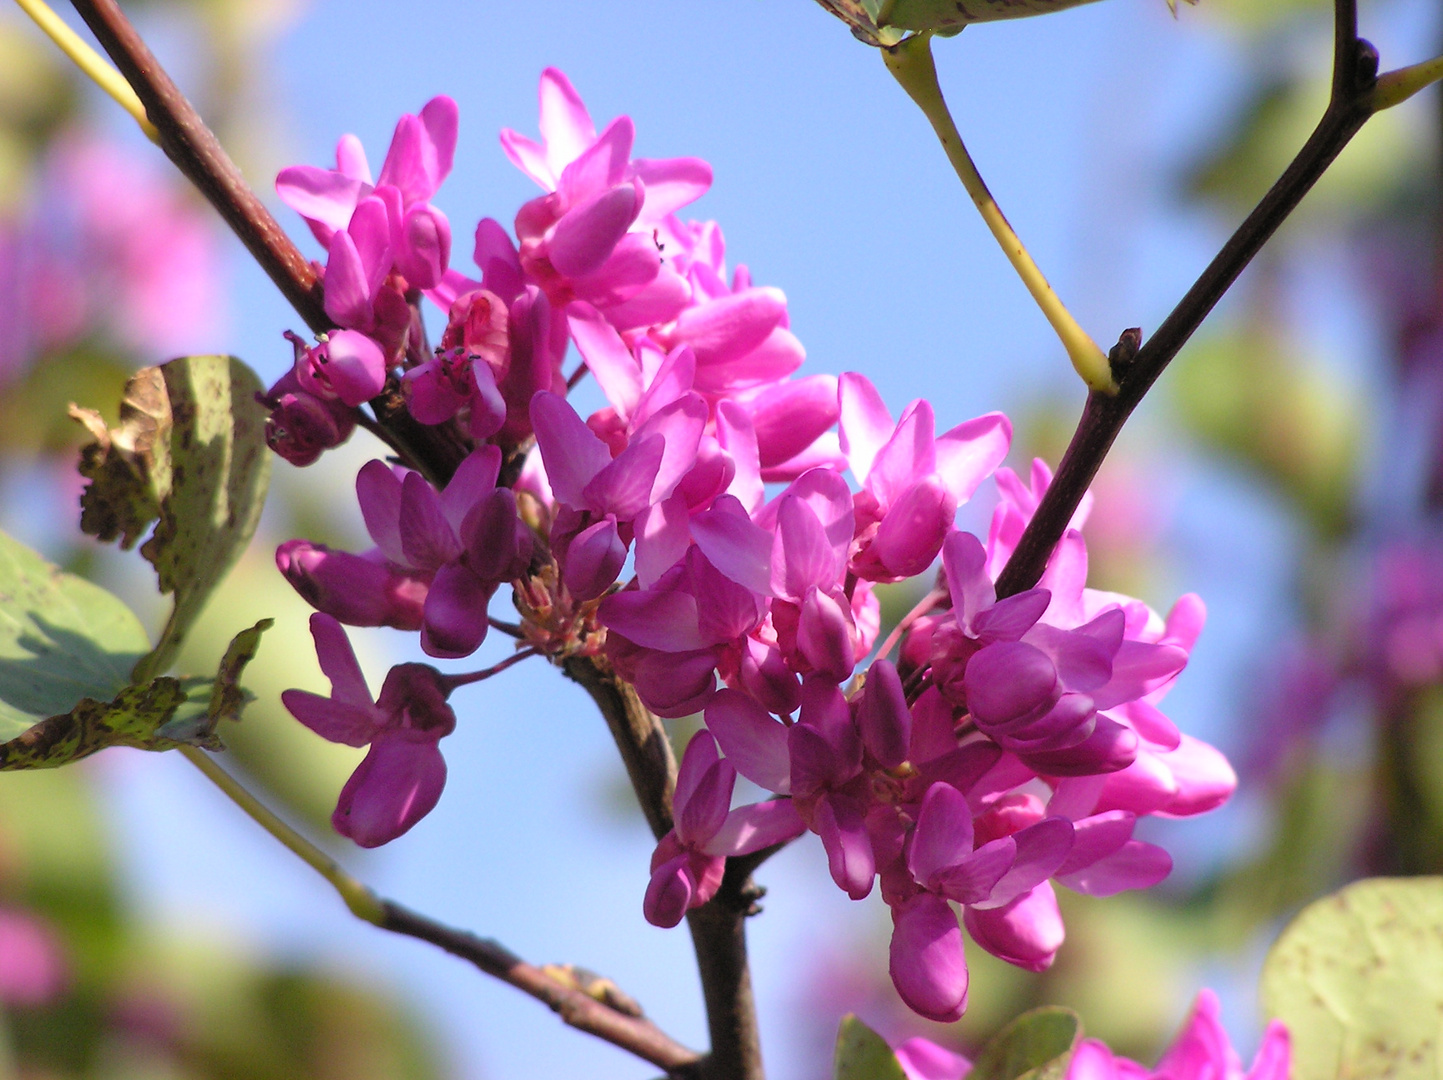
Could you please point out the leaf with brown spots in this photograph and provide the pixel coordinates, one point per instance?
(189, 454)
(162, 714)
(1358, 979)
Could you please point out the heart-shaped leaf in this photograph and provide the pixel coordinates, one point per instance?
(189, 454)
(862, 1054)
(1358, 979)
(61, 639)
(1037, 1045)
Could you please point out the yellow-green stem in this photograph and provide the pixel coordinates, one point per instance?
(910, 63)
(1398, 86)
(361, 900)
(90, 62)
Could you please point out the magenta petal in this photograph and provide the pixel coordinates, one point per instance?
(601, 165)
(671, 183)
(680, 424)
(571, 451)
(1135, 865)
(356, 366)
(662, 538)
(331, 719)
(1204, 778)
(826, 636)
(1008, 679)
(625, 485)
(1274, 1056)
(753, 740)
(1202, 1048)
(668, 894)
(666, 621)
(766, 677)
(427, 536)
(734, 545)
(922, 1059)
(474, 480)
(425, 249)
(441, 118)
(883, 717)
(594, 558)
(565, 124)
(912, 532)
(607, 357)
(348, 300)
(1096, 837)
(789, 416)
(970, 452)
(927, 962)
(976, 875)
(751, 828)
(396, 785)
(319, 195)
(1011, 617)
(1092, 1060)
(585, 236)
(701, 814)
(1137, 670)
(865, 425)
(965, 561)
(1027, 932)
(455, 614)
(729, 328)
(359, 590)
(850, 858)
(338, 662)
(674, 685)
(943, 834)
(497, 544)
(700, 755)
(1041, 849)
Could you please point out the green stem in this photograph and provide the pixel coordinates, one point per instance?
(1398, 86)
(910, 63)
(363, 903)
(90, 62)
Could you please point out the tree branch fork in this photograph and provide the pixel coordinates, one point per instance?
(718, 929)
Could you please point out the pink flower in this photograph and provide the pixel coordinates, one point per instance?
(1201, 1051)
(912, 483)
(689, 861)
(33, 970)
(400, 779)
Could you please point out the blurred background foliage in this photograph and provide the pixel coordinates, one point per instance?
(108, 262)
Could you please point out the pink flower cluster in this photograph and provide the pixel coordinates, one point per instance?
(1012, 742)
(1201, 1051)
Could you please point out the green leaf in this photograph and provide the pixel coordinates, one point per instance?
(188, 454)
(1358, 979)
(862, 1054)
(1036, 1046)
(161, 714)
(952, 15)
(61, 639)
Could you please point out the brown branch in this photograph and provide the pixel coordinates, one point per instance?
(718, 929)
(1355, 68)
(583, 1012)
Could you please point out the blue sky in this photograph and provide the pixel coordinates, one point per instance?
(830, 185)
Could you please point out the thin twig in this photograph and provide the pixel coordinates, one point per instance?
(633, 1033)
(1354, 79)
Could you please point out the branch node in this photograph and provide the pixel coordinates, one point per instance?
(1125, 351)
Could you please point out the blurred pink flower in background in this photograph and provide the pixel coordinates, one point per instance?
(111, 248)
